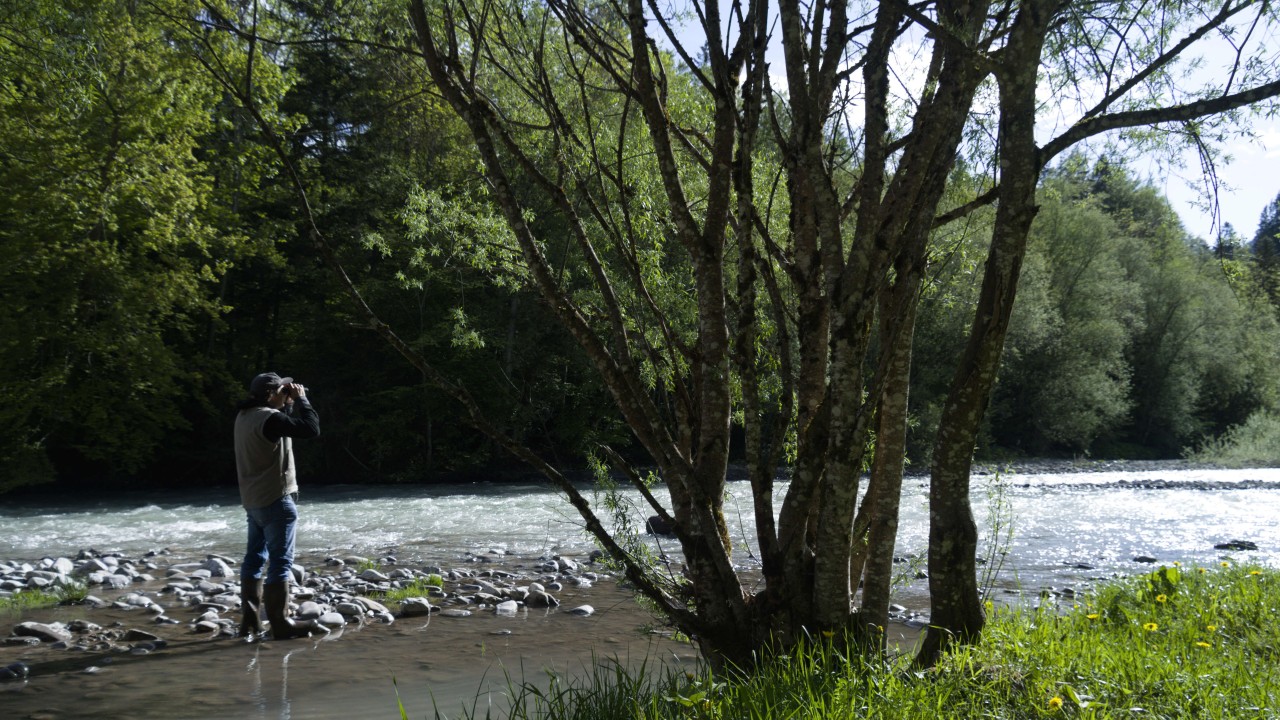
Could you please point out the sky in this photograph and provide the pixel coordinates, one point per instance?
(1253, 177)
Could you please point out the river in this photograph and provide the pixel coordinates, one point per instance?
(1056, 530)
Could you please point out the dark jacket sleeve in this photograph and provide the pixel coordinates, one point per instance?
(303, 423)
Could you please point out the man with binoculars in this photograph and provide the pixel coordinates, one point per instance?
(276, 411)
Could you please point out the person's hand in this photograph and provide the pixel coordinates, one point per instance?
(298, 391)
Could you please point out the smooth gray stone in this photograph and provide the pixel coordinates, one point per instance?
(540, 600)
(582, 611)
(332, 619)
(455, 613)
(507, 608)
(218, 568)
(414, 607)
(310, 610)
(371, 605)
(21, 640)
(350, 609)
(371, 575)
(135, 635)
(115, 582)
(53, 632)
(89, 567)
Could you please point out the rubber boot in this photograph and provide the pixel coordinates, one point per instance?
(251, 609)
(275, 598)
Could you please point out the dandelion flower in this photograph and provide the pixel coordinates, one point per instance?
(1202, 643)
(1150, 627)
(1093, 616)
(989, 605)
(1224, 563)
(1255, 572)
(828, 633)
(1177, 564)
(1210, 628)
(1162, 598)
(1055, 703)
(1202, 571)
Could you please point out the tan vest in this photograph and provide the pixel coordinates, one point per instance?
(265, 468)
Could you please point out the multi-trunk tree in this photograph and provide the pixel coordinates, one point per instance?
(732, 217)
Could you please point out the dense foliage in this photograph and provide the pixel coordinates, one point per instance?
(152, 260)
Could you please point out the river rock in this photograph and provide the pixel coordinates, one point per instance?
(114, 581)
(540, 599)
(371, 575)
(1145, 559)
(332, 619)
(372, 606)
(455, 613)
(83, 626)
(507, 608)
(655, 525)
(218, 568)
(53, 632)
(140, 636)
(415, 607)
(1237, 545)
(309, 610)
(566, 564)
(582, 611)
(350, 609)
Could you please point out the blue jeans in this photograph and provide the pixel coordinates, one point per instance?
(271, 533)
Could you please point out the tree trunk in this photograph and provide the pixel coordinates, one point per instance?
(884, 493)
(956, 605)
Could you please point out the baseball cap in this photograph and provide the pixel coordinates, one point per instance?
(266, 383)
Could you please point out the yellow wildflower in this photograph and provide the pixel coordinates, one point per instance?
(1210, 628)
(1093, 616)
(828, 633)
(1224, 563)
(1177, 564)
(1202, 643)
(1055, 703)
(1202, 571)
(1255, 572)
(1150, 627)
(1161, 598)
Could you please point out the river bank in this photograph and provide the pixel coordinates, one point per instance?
(161, 643)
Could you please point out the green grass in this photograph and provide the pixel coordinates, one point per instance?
(420, 587)
(1175, 643)
(34, 599)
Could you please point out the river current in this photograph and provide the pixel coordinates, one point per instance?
(1041, 530)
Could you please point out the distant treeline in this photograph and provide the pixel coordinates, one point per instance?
(153, 259)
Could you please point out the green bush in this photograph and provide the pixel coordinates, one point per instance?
(1254, 443)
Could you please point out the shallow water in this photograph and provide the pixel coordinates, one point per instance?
(358, 672)
(1067, 530)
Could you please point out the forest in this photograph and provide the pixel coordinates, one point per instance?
(155, 258)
